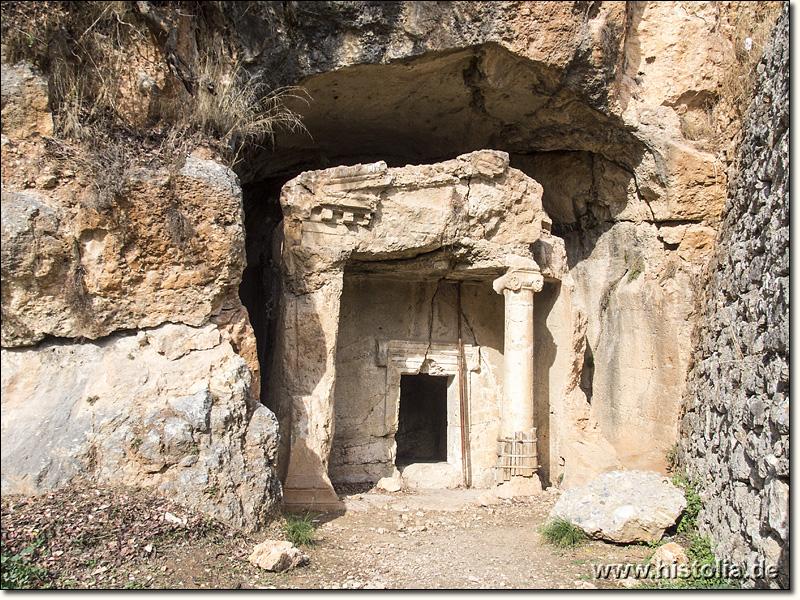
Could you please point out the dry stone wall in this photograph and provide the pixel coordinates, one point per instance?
(735, 427)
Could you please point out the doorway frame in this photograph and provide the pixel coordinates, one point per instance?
(407, 357)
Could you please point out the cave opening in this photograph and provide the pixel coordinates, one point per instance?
(259, 290)
(422, 426)
(435, 107)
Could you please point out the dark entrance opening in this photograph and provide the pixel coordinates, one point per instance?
(422, 428)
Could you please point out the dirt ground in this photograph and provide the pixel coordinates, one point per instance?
(94, 537)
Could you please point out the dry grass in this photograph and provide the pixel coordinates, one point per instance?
(238, 108)
(750, 26)
(752, 21)
(112, 77)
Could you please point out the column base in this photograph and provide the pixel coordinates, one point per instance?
(319, 498)
(519, 486)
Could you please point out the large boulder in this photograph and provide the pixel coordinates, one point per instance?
(168, 407)
(623, 506)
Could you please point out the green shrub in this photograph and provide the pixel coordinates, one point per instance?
(688, 520)
(700, 549)
(19, 571)
(299, 529)
(561, 533)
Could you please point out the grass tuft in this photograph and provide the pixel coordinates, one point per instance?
(561, 533)
(115, 77)
(299, 529)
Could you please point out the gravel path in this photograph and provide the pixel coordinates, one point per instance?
(394, 541)
(88, 536)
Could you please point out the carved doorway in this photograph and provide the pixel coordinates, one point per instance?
(422, 424)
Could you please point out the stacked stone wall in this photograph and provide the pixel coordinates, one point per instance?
(735, 424)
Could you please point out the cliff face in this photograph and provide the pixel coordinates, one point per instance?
(618, 110)
(735, 426)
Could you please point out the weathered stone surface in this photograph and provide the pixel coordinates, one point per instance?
(348, 234)
(638, 363)
(734, 426)
(606, 105)
(585, 459)
(169, 408)
(669, 554)
(88, 269)
(277, 556)
(623, 506)
(374, 213)
(388, 484)
(25, 102)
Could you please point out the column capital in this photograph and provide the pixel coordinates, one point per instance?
(517, 279)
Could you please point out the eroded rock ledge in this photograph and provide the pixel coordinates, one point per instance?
(168, 249)
(168, 407)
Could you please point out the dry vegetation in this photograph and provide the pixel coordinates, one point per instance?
(159, 74)
(129, 72)
(748, 27)
(94, 536)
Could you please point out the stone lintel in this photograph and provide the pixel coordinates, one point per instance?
(409, 356)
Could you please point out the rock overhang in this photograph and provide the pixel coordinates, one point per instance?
(426, 107)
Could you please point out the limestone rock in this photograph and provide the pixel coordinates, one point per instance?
(462, 217)
(623, 506)
(431, 476)
(173, 413)
(26, 111)
(233, 323)
(669, 554)
(584, 460)
(638, 367)
(277, 556)
(86, 270)
(388, 484)
(370, 211)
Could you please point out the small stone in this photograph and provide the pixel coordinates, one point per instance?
(388, 484)
(46, 182)
(277, 556)
(188, 460)
(170, 518)
(669, 554)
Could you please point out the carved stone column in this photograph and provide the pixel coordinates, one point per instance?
(518, 286)
(517, 454)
